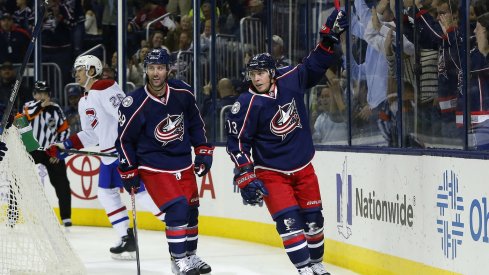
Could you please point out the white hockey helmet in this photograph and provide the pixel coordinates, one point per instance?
(88, 61)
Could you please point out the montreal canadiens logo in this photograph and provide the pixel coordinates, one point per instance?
(285, 120)
(170, 129)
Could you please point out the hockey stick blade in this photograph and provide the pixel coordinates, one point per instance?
(20, 73)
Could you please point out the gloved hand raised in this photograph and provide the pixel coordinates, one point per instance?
(203, 159)
(130, 178)
(335, 25)
(252, 188)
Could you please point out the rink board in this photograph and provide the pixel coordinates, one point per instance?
(384, 214)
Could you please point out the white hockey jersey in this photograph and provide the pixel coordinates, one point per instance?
(99, 117)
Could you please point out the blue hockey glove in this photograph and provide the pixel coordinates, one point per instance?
(130, 179)
(252, 189)
(3, 148)
(335, 25)
(203, 159)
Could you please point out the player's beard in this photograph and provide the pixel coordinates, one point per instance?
(157, 89)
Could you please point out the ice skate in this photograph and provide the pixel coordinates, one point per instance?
(126, 248)
(319, 269)
(198, 263)
(183, 267)
(305, 271)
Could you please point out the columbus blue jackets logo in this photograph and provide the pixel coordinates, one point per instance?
(285, 120)
(170, 129)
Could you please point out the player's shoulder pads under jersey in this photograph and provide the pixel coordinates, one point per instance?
(133, 99)
(180, 85)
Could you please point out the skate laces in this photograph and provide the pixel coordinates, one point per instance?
(305, 271)
(319, 268)
(196, 261)
(183, 264)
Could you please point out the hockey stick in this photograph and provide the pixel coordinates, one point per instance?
(88, 153)
(134, 228)
(20, 73)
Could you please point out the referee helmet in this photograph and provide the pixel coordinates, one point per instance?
(41, 87)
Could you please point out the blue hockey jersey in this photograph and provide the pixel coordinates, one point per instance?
(156, 134)
(272, 130)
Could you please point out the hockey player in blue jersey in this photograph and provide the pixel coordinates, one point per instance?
(158, 125)
(270, 142)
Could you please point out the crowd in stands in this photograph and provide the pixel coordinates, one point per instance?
(432, 100)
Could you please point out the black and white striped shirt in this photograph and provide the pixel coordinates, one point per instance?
(48, 123)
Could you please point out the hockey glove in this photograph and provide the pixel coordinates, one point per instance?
(56, 150)
(3, 148)
(252, 189)
(203, 159)
(335, 25)
(130, 179)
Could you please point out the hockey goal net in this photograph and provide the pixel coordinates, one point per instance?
(32, 240)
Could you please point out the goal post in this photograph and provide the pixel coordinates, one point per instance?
(32, 240)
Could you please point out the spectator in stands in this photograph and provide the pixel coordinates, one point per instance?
(71, 111)
(478, 88)
(181, 7)
(109, 73)
(173, 37)
(13, 40)
(278, 52)
(330, 115)
(185, 42)
(23, 16)
(7, 80)
(205, 11)
(56, 37)
(205, 37)
(109, 26)
(441, 33)
(150, 11)
(136, 70)
(78, 30)
(156, 41)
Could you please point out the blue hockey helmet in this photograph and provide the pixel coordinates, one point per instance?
(157, 56)
(262, 61)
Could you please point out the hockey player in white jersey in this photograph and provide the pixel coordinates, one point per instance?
(98, 110)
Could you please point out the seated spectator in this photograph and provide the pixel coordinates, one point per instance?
(13, 40)
(108, 73)
(150, 11)
(156, 41)
(278, 52)
(7, 80)
(330, 116)
(136, 70)
(173, 36)
(71, 111)
(23, 16)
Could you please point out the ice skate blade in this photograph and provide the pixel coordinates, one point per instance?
(124, 256)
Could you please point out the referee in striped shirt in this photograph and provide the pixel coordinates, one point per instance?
(49, 126)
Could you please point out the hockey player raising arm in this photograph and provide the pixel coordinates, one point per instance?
(98, 117)
(270, 120)
(158, 125)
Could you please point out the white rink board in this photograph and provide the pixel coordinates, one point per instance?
(416, 177)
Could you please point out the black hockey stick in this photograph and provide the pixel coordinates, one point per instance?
(134, 228)
(20, 73)
(88, 153)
